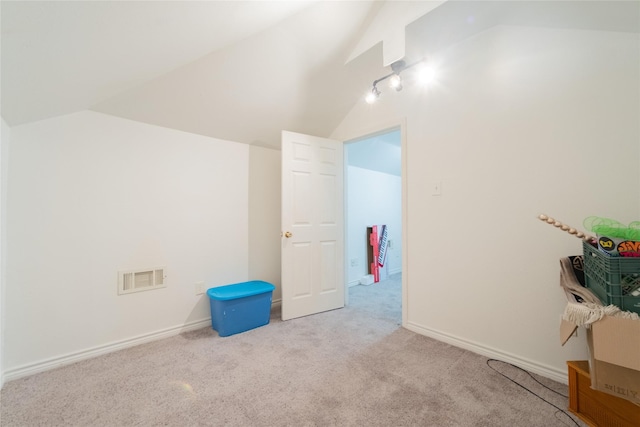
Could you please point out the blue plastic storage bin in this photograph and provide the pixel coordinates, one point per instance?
(240, 307)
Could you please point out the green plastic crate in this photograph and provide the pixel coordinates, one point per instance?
(612, 279)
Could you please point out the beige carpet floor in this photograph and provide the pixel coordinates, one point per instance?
(350, 367)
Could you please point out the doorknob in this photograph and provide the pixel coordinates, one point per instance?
(287, 234)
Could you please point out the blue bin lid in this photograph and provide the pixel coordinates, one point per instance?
(240, 290)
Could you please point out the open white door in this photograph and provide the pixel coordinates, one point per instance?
(312, 225)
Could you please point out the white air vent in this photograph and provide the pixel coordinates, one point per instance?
(140, 280)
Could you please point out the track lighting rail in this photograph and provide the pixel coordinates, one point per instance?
(397, 67)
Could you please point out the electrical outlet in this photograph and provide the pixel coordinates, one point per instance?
(354, 262)
(199, 288)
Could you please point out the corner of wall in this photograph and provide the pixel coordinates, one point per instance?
(264, 216)
(4, 148)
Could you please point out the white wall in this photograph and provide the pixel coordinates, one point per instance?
(524, 121)
(264, 217)
(91, 194)
(373, 198)
(5, 135)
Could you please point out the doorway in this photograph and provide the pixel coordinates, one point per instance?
(373, 197)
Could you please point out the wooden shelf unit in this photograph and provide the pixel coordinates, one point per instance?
(594, 407)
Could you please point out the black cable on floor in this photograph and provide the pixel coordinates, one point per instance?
(530, 391)
(526, 372)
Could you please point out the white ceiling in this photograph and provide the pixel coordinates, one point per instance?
(63, 56)
(380, 153)
(239, 70)
(291, 76)
(458, 20)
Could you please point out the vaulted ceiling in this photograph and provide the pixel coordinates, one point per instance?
(240, 70)
(236, 70)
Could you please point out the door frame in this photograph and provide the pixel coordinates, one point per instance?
(359, 134)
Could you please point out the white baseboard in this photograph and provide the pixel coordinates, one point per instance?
(56, 362)
(395, 271)
(353, 283)
(529, 365)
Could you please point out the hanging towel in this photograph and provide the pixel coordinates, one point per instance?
(571, 285)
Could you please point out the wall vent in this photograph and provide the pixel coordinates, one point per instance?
(140, 280)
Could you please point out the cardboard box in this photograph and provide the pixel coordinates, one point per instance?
(614, 351)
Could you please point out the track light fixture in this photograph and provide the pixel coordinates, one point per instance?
(395, 81)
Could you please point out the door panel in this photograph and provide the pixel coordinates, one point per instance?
(312, 211)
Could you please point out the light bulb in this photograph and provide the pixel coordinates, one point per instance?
(427, 75)
(395, 82)
(372, 96)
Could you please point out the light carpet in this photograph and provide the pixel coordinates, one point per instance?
(350, 367)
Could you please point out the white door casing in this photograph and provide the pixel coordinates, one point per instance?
(313, 218)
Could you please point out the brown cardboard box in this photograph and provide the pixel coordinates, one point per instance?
(614, 350)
